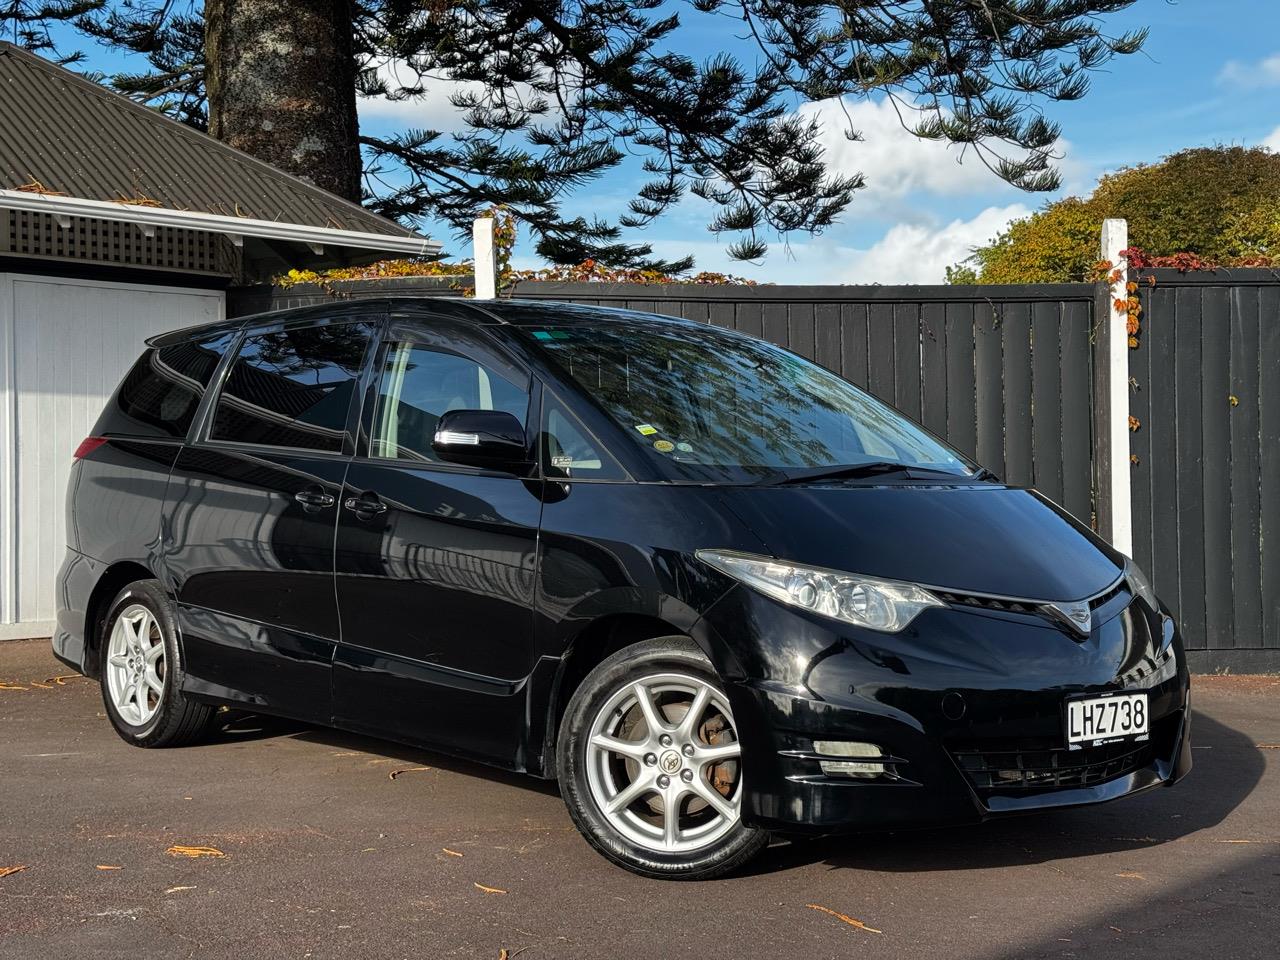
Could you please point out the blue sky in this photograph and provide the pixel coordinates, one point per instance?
(1210, 74)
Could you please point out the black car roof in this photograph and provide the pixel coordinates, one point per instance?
(517, 313)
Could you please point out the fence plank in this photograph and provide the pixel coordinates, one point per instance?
(722, 315)
(1246, 542)
(989, 388)
(880, 350)
(826, 335)
(748, 319)
(1160, 343)
(800, 329)
(694, 310)
(961, 413)
(1016, 361)
(774, 322)
(906, 358)
(853, 317)
(1190, 458)
(933, 367)
(1215, 338)
(1269, 445)
(1143, 467)
(1076, 375)
(1046, 400)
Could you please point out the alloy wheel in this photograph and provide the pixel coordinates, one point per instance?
(663, 763)
(136, 665)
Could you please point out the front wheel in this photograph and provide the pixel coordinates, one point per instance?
(142, 672)
(650, 764)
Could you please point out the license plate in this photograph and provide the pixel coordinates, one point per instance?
(1095, 720)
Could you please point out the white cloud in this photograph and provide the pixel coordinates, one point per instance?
(1251, 76)
(1272, 142)
(906, 253)
(431, 111)
(896, 162)
(914, 253)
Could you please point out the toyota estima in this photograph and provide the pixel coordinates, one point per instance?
(711, 587)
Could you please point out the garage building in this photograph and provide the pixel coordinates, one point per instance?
(117, 223)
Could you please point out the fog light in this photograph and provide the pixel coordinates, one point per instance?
(863, 767)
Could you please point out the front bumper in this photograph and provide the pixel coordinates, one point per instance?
(967, 707)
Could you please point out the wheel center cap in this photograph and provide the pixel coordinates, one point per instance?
(670, 761)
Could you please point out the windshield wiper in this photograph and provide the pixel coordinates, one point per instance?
(875, 468)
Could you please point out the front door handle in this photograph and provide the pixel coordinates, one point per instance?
(313, 498)
(366, 506)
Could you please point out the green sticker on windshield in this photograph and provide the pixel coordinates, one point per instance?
(646, 429)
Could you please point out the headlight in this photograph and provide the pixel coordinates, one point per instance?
(887, 605)
(1141, 586)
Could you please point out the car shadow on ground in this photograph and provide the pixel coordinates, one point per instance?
(1228, 767)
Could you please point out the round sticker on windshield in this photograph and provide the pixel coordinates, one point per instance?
(663, 446)
(684, 447)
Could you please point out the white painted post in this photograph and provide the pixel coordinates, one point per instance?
(1115, 237)
(486, 259)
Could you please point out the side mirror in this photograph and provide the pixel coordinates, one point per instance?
(481, 438)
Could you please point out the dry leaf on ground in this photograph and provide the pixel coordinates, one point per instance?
(481, 886)
(108, 866)
(452, 853)
(5, 871)
(178, 850)
(403, 770)
(843, 917)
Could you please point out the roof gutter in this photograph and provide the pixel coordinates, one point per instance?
(412, 245)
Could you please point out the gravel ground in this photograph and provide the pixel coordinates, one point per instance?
(322, 844)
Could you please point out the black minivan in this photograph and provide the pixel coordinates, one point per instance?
(711, 587)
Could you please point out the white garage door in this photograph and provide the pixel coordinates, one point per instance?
(64, 346)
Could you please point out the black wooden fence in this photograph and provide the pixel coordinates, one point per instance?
(1005, 373)
(1206, 484)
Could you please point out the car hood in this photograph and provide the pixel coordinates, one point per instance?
(976, 538)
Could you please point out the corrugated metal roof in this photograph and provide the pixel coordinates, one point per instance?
(75, 137)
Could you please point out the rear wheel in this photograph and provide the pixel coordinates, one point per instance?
(141, 672)
(650, 764)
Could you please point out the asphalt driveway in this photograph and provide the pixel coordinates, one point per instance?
(275, 840)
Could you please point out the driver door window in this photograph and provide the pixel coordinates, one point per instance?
(419, 384)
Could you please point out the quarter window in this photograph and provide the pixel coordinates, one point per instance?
(569, 451)
(419, 384)
(160, 394)
(292, 388)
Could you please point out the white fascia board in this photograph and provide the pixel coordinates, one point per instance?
(414, 246)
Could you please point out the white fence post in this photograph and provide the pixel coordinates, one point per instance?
(485, 259)
(1116, 483)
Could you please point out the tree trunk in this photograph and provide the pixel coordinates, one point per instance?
(281, 79)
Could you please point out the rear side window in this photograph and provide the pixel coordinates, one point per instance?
(419, 384)
(292, 388)
(159, 395)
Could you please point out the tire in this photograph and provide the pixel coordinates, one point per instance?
(620, 791)
(139, 652)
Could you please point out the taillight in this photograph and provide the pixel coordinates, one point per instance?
(88, 445)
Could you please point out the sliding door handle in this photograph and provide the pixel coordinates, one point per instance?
(366, 506)
(313, 498)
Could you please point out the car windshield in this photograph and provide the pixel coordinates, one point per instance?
(717, 406)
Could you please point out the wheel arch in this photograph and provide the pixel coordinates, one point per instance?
(605, 635)
(114, 579)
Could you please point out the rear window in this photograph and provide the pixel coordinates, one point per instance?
(159, 395)
(292, 388)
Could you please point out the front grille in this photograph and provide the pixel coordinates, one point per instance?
(986, 603)
(1105, 598)
(1051, 769)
